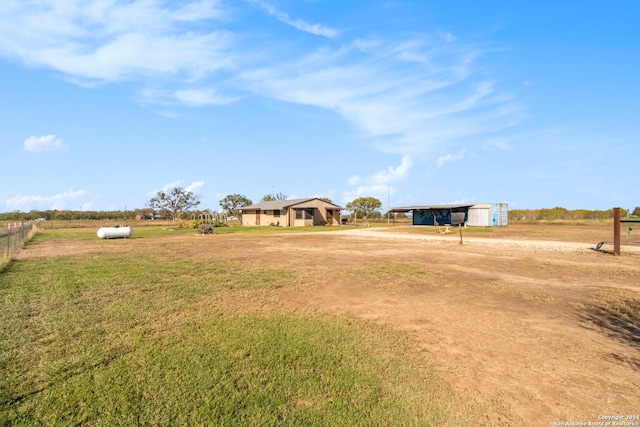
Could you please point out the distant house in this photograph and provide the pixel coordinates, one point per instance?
(148, 216)
(485, 215)
(292, 213)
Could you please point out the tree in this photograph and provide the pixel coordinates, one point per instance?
(636, 211)
(271, 197)
(232, 203)
(175, 201)
(366, 205)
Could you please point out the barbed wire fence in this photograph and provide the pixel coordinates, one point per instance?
(13, 237)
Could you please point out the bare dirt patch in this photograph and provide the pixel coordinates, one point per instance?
(523, 323)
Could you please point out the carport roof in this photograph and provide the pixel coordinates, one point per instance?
(427, 207)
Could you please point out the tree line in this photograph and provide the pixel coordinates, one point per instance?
(54, 214)
(178, 202)
(560, 213)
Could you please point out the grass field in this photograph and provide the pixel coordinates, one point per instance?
(156, 337)
(520, 325)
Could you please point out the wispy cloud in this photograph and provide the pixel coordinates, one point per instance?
(442, 160)
(43, 143)
(408, 96)
(66, 200)
(316, 29)
(497, 143)
(197, 97)
(411, 96)
(112, 40)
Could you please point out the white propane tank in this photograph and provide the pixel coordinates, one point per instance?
(114, 232)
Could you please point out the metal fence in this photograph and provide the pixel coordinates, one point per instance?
(13, 236)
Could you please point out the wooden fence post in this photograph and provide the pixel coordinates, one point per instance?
(616, 231)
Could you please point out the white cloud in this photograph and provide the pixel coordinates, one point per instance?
(172, 185)
(43, 143)
(411, 96)
(316, 29)
(385, 177)
(66, 200)
(194, 187)
(378, 184)
(112, 40)
(442, 160)
(196, 97)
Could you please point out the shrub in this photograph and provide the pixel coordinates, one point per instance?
(195, 223)
(205, 229)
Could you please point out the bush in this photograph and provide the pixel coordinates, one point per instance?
(205, 229)
(195, 223)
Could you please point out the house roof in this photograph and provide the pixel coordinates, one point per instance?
(282, 204)
(427, 207)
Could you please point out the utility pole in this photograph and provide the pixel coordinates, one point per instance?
(388, 206)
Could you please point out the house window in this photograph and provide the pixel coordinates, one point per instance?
(276, 213)
(309, 213)
(299, 213)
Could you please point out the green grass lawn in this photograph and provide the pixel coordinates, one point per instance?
(112, 340)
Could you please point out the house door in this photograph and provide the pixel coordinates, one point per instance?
(257, 217)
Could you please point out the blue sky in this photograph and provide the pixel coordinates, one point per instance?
(105, 102)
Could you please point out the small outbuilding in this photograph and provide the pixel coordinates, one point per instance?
(292, 213)
(484, 215)
(436, 214)
(488, 215)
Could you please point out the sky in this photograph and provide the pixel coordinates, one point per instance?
(103, 103)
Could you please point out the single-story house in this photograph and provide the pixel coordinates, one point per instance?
(484, 215)
(148, 216)
(292, 213)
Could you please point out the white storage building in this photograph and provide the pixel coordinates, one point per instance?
(488, 215)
